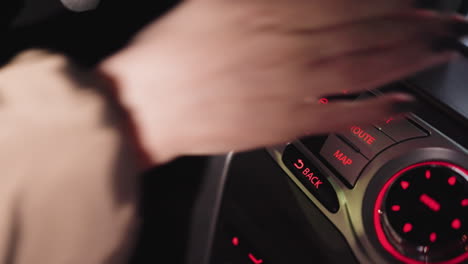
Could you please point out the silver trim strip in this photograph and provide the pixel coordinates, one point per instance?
(206, 210)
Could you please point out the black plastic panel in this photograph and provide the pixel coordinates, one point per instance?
(263, 206)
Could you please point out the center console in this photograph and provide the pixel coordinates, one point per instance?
(395, 191)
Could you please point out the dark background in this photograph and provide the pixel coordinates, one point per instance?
(87, 36)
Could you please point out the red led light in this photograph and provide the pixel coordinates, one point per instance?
(389, 120)
(254, 259)
(404, 185)
(452, 180)
(378, 221)
(456, 224)
(407, 228)
(323, 101)
(433, 237)
(428, 174)
(464, 202)
(430, 202)
(396, 208)
(235, 241)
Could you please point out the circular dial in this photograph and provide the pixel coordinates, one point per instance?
(421, 214)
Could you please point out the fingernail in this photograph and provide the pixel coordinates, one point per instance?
(403, 103)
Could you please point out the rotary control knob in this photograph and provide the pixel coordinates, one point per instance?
(421, 214)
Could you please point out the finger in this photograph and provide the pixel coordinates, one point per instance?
(376, 32)
(356, 72)
(337, 116)
(318, 14)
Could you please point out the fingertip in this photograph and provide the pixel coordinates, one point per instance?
(401, 97)
(401, 103)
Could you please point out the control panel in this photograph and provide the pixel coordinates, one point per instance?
(421, 213)
(397, 190)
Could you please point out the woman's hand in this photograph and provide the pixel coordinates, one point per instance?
(217, 75)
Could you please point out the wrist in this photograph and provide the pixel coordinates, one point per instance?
(116, 72)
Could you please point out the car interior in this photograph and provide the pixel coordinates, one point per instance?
(395, 191)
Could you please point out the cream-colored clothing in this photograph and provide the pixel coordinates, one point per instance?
(68, 182)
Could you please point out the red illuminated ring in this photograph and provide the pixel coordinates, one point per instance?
(378, 224)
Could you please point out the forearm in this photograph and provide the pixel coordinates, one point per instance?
(69, 166)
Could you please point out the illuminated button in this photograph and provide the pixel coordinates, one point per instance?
(431, 223)
(311, 177)
(369, 140)
(400, 129)
(343, 158)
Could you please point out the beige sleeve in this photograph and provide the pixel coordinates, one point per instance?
(68, 181)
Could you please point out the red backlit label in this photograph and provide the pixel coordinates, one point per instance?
(464, 202)
(254, 259)
(389, 120)
(407, 228)
(396, 208)
(308, 173)
(456, 224)
(404, 185)
(235, 241)
(452, 180)
(433, 237)
(299, 164)
(340, 156)
(323, 101)
(363, 135)
(430, 202)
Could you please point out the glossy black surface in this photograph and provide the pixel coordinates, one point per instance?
(311, 177)
(447, 83)
(262, 206)
(400, 129)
